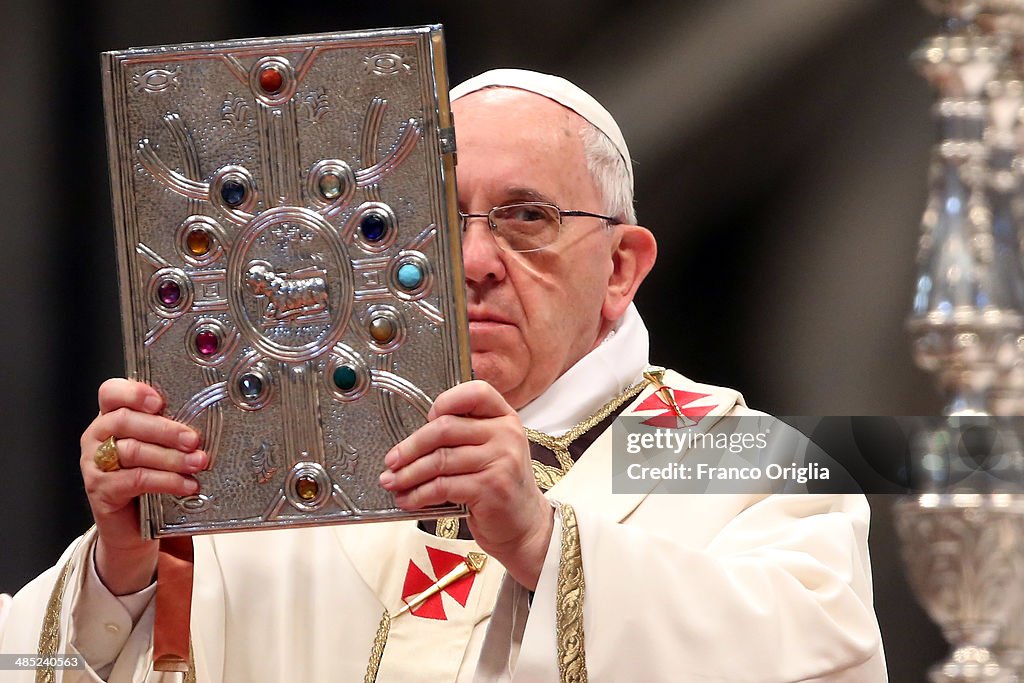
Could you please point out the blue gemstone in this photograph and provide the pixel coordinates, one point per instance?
(373, 226)
(250, 385)
(344, 377)
(410, 276)
(232, 192)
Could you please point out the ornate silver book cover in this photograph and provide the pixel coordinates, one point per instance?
(290, 263)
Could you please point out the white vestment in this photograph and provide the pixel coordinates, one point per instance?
(674, 587)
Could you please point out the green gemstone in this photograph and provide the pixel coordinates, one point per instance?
(344, 377)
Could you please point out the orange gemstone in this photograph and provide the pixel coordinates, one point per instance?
(382, 329)
(271, 80)
(198, 242)
(307, 488)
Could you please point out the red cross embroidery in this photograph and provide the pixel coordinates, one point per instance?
(417, 581)
(691, 415)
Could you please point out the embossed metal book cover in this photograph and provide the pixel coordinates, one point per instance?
(289, 261)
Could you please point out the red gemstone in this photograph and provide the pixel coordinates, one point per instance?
(271, 79)
(207, 342)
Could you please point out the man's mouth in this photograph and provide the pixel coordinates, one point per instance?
(482, 317)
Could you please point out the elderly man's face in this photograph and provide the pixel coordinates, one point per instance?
(532, 315)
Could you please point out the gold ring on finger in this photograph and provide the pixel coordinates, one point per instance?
(106, 456)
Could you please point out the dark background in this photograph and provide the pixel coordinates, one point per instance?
(781, 152)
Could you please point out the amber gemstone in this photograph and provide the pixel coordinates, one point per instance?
(271, 79)
(382, 329)
(307, 488)
(198, 242)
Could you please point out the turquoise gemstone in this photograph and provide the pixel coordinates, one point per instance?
(344, 377)
(410, 275)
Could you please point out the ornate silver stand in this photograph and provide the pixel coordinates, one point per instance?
(964, 557)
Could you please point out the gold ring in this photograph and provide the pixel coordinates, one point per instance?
(106, 457)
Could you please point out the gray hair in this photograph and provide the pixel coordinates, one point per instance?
(608, 169)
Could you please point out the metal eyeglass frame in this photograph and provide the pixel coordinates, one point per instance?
(463, 217)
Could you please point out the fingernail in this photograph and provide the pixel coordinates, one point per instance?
(152, 404)
(391, 458)
(191, 486)
(387, 478)
(188, 440)
(195, 460)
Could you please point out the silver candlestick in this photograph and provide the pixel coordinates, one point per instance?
(964, 327)
(963, 545)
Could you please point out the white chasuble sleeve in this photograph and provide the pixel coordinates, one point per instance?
(61, 613)
(781, 592)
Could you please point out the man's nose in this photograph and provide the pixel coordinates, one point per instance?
(481, 255)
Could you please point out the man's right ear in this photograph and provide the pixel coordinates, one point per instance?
(633, 256)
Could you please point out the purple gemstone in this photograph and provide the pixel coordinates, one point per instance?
(207, 342)
(169, 292)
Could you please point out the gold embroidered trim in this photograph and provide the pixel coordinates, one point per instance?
(447, 527)
(572, 658)
(578, 430)
(546, 476)
(49, 634)
(559, 445)
(190, 675)
(377, 653)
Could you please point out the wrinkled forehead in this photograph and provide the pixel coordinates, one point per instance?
(555, 89)
(516, 145)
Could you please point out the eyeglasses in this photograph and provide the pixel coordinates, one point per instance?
(527, 226)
